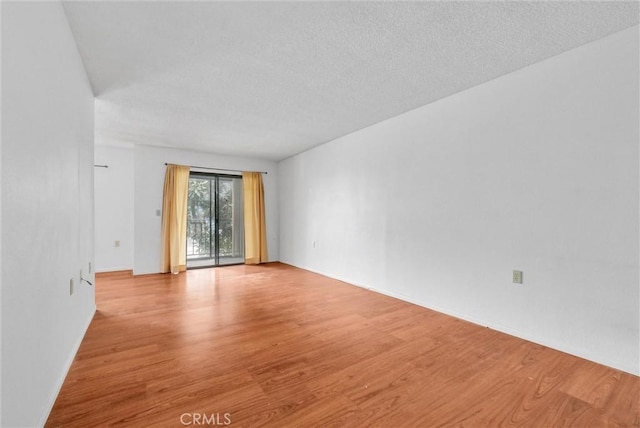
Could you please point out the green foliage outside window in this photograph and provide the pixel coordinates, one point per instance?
(200, 213)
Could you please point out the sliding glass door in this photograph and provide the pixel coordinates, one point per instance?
(215, 226)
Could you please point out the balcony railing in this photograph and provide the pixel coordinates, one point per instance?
(198, 238)
(199, 243)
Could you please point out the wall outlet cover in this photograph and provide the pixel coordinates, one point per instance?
(517, 277)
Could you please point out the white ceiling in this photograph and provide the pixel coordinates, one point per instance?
(272, 79)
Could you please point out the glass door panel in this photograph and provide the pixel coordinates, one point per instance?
(230, 221)
(199, 210)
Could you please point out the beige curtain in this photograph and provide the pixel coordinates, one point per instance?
(174, 219)
(255, 231)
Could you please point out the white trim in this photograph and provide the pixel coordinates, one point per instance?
(72, 356)
(113, 269)
(562, 347)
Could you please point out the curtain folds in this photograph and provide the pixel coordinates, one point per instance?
(174, 219)
(255, 231)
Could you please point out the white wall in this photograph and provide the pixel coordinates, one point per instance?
(47, 207)
(536, 171)
(114, 208)
(0, 221)
(149, 172)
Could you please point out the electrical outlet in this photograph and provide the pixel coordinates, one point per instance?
(314, 244)
(70, 286)
(117, 243)
(517, 277)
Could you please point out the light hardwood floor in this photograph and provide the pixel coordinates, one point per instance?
(277, 346)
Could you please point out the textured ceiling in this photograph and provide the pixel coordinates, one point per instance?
(269, 80)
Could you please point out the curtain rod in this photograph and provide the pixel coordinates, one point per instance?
(220, 169)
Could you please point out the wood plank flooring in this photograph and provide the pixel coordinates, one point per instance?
(277, 346)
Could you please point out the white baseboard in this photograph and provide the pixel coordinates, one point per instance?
(113, 269)
(544, 341)
(72, 356)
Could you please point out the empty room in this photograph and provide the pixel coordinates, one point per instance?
(320, 214)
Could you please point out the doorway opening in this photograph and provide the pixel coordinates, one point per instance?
(215, 222)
